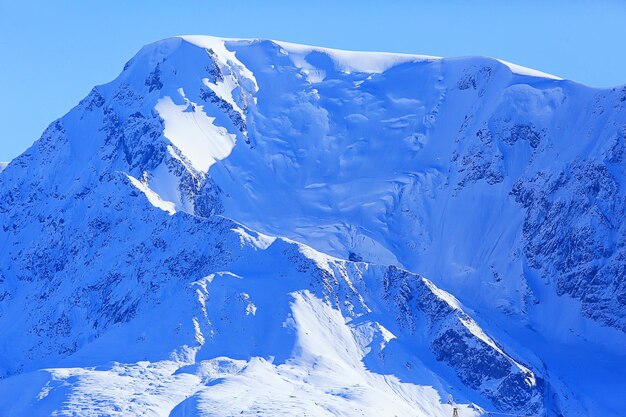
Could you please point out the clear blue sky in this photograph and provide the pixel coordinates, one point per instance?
(52, 52)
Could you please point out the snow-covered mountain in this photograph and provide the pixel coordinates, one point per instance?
(252, 227)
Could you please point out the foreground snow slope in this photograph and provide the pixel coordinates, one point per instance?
(123, 237)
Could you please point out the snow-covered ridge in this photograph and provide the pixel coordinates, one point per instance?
(351, 61)
(518, 69)
(3, 165)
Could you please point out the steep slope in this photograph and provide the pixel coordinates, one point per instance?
(147, 294)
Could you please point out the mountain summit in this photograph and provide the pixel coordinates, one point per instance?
(252, 227)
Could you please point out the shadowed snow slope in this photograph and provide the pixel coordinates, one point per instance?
(250, 227)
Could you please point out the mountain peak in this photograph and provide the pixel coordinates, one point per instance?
(301, 55)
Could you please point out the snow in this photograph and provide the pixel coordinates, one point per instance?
(154, 198)
(373, 62)
(325, 377)
(225, 90)
(257, 240)
(225, 55)
(518, 69)
(3, 165)
(346, 61)
(242, 268)
(166, 185)
(194, 134)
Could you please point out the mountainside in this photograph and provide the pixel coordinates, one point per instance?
(252, 227)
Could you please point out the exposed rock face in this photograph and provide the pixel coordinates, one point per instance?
(571, 234)
(458, 341)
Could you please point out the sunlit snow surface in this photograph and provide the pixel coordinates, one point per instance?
(194, 133)
(228, 228)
